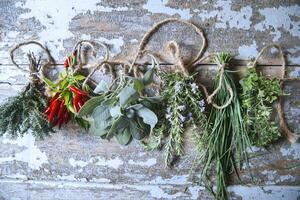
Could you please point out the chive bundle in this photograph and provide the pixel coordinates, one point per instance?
(225, 135)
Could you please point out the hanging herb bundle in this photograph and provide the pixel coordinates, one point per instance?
(123, 112)
(225, 139)
(68, 96)
(184, 105)
(258, 95)
(24, 111)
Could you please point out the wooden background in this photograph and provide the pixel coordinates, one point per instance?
(75, 165)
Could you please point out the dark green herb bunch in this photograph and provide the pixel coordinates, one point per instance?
(226, 139)
(184, 105)
(258, 95)
(123, 112)
(24, 111)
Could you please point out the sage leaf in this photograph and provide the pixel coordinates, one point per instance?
(126, 95)
(148, 116)
(101, 117)
(136, 131)
(115, 111)
(89, 106)
(148, 77)
(123, 136)
(138, 85)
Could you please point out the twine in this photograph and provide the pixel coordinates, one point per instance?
(33, 65)
(292, 137)
(210, 97)
(155, 28)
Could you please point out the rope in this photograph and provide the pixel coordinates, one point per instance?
(209, 98)
(33, 65)
(292, 137)
(78, 51)
(155, 28)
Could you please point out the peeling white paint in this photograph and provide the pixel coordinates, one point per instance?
(175, 180)
(266, 192)
(160, 6)
(77, 163)
(280, 18)
(31, 155)
(294, 59)
(116, 43)
(148, 163)
(156, 192)
(248, 51)
(292, 151)
(113, 163)
(273, 177)
(227, 18)
(57, 16)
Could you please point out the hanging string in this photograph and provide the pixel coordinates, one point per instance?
(35, 73)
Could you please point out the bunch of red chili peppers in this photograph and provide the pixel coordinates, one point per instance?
(59, 111)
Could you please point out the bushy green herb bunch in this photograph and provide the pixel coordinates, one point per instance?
(225, 137)
(258, 95)
(184, 103)
(23, 112)
(123, 112)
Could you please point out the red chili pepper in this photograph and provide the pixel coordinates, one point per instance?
(62, 109)
(77, 91)
(75, 102)
(66, 63)
(66, 117)
(54, 109)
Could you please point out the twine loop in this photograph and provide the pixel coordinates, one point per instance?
(292, 137)
(35, 73)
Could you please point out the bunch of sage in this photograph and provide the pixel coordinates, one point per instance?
(122, 112)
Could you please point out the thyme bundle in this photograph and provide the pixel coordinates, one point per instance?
(24, 111)
(226, 139)
(258, 95)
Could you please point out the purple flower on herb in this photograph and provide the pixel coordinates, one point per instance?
(194, 87)
(182, 118)
(182, 108)
(201, 105)
(178, 87)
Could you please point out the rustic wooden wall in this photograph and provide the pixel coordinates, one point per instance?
(75, 165)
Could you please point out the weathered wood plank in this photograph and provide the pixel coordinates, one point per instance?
(239, 27)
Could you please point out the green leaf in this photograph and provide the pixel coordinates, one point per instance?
(149, 117)
(115, 111)
(96, 131)
(123, 136)
(136, 131)
(148, 77)
(89, 106)
(79, 77)
(120, 123)
(101, 87)
(50, 83)
(127, 95)
(101, 116)
(138, 85)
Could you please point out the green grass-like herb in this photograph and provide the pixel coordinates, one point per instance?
(225, 137)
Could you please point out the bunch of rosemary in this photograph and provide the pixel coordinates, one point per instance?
(24, 111)
(258, 95)
(225, 137)
(184, 105)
